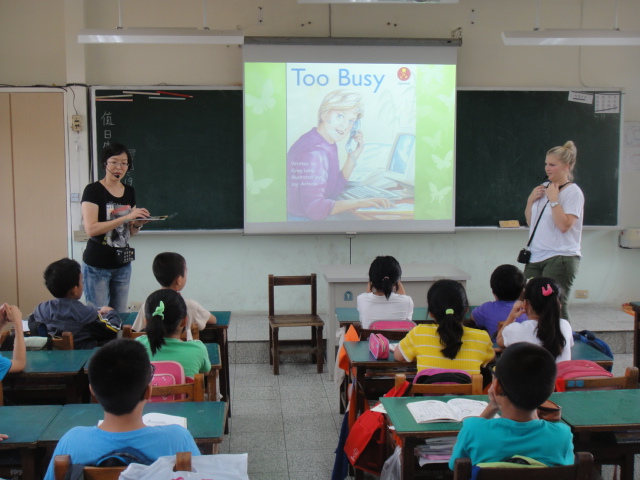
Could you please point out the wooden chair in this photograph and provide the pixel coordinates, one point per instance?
(62, 464)
(127, 332)
(190, 392)
(63, 342)
(277, 347)
(628, 381)
(473, 388)
(580, 470)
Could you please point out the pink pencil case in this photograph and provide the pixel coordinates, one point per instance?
(379, 346)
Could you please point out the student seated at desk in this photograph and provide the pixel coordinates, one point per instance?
(166, 319)
(507, 284)
(542, 304)
(119, 377)
(447, 343)
(385, 298)
(66, 313)
(170, 270)
(12, 314)
(524, 378)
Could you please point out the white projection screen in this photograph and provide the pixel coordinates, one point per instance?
(349, 139)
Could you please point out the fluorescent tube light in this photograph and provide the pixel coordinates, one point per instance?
(162, 35)
(571, 37)
(378, 1)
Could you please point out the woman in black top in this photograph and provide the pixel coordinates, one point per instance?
(110, 217)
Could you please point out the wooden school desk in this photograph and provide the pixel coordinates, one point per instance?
(217, 333)
(413, 433)
(61, 365)
(346, 282)
(205, 421)
(24, 425)
(596, 416)
(361, 359)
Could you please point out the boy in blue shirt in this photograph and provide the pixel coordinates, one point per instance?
(507, 284)
(120, 374)
(66, 313)
(524, 378)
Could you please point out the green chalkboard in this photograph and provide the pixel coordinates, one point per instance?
(187, 151)
(501, 141)
(188, 154)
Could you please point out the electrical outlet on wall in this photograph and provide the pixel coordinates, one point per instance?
(134, 307)
(582, 293)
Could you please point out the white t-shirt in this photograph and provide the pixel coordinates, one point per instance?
(195, 313)
(526, 332)
(373, 307)
(549, 241)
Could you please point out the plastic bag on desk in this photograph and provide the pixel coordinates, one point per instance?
(204, 467)
(392, 468)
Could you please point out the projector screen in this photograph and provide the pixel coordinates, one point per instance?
(349, 139)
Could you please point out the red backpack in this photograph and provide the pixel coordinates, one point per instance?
(574, 370)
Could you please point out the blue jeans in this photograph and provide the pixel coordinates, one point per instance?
(107, 286)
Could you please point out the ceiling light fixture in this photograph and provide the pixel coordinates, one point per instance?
(162, 35)
(571, 37)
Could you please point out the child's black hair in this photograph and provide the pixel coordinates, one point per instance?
(168, 266)
(507, 283)
(119, 373)
(527, 373)
(61, 276)
(113, 150)
(164, 310)
(545, 297)
(447, 303)
(384, 274)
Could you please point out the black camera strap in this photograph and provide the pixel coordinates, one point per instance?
(536, 227)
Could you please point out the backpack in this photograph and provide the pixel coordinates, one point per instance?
(576, 369)
(430, 376)
(585, 336)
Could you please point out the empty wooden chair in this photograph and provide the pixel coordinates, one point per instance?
(277, 347)
(62, 464)
(580, 470)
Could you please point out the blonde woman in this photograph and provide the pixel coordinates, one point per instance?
(559, 204)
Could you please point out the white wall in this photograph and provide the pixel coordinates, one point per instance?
(228, 271)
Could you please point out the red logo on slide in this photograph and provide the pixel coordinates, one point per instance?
(404, 74)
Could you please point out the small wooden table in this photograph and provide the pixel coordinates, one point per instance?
(217, 333)
(596, 416)
(205, 421)
(24, 425)
(361, 359)
(59, 365)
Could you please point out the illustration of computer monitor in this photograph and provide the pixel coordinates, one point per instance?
(402, 160)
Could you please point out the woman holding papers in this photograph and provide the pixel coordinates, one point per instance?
(557, 208)
(314, 176)
(110, 218)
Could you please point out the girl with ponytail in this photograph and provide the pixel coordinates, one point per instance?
(446, 343)
(542, 300)
(385, 298)
(166, 315)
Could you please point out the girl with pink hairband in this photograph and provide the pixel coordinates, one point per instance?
(541, 301)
